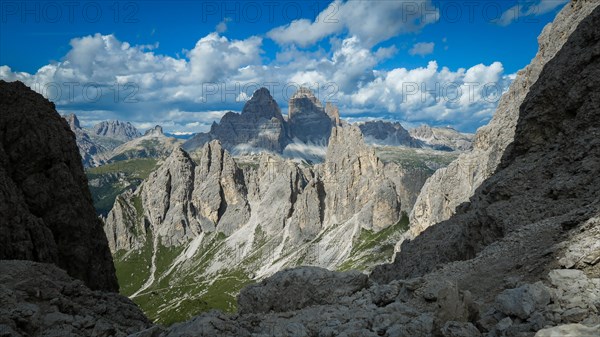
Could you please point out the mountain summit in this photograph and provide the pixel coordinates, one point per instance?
(260, 127)
(307, 119)
(123, 131)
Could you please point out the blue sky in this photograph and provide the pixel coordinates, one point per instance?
(182, 64)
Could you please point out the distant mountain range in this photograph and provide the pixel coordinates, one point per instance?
(111, 141)
(260, 127)
(306, 129)
(504, 241)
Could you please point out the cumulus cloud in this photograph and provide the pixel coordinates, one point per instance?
(371, 21)
(102, 77)
(462, 97)
(222, 26)
(528, 9)
(216, 57)
(422, 49)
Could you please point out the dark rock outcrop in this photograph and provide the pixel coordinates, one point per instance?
(39, 299)
(307, 119)
(550, 173)
(46, 211)
(387, 133)
(312, 286)
(260, 126)
(456, 184)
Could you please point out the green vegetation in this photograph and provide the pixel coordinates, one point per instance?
(175, 297)
(110, 180)
(140, 168)
(371, 248)
(221, 294)
(410, 158)
(189, 297)
(137, 204)
(133, 268)
(260, 237)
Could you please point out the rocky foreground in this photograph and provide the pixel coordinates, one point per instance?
(521, 258)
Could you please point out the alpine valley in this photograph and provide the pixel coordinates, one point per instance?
(307, 225)
(260, 192)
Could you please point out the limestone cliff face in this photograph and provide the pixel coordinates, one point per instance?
(355, 183)
(308, 121)
(220, 193)
(166, 195)
(249, 217)
(333, 112)
(46, 211)
(186, 197)
(550, 171)
(451, 186)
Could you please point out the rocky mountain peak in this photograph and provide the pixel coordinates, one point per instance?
(355, 180)
(155, 131)
(259, 127)
(345, 139)
(306, 93)
(115, 129)
(387, 133)
(262, 104)
(333, 112)
(308, 121)
(73, 122)
(304, 101)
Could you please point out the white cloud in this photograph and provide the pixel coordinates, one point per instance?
(371, 21)
(172, 92)
(222, 26)
(422, 49)
(527, 9)
(462, 97)
(215, 57)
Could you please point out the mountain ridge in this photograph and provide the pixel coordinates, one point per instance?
(451, 186)
(519, 259)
